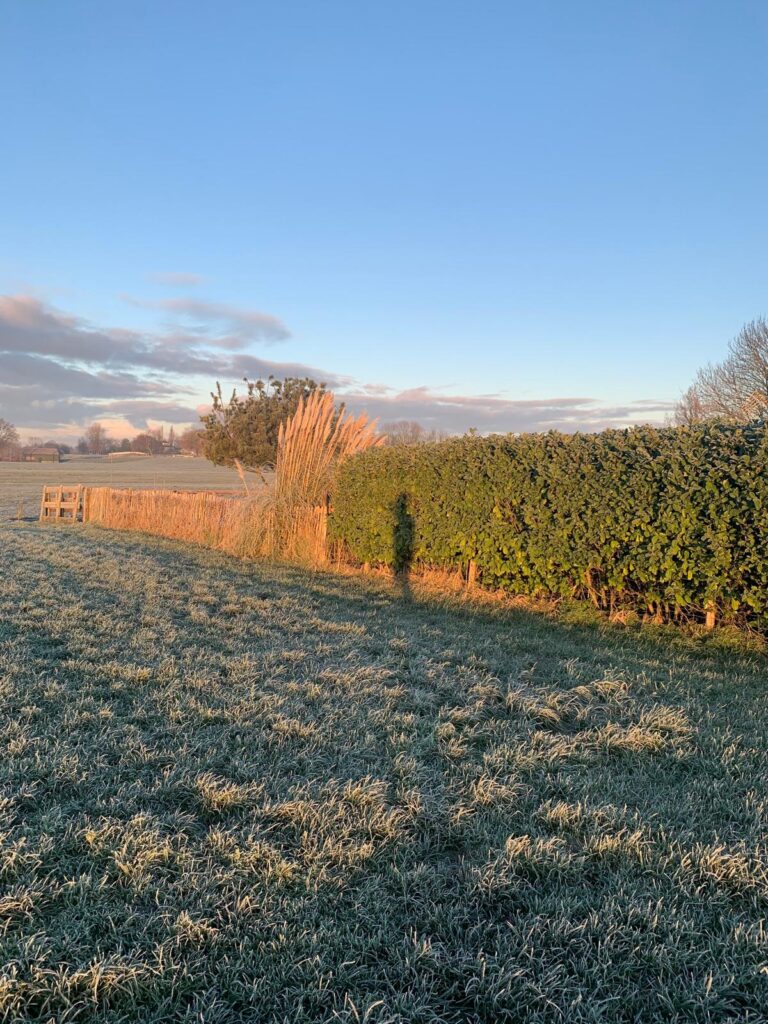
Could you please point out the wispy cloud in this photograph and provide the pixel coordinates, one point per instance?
(228, 326)
(494, 413)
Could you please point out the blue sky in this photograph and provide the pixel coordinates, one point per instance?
(506, 215)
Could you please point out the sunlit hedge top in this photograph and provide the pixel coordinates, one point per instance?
(666, 520)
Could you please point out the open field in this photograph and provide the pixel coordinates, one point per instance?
(22, 481)
(235, 792)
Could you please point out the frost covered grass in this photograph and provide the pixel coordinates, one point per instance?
(238, 792)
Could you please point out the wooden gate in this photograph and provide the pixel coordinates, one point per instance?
(61, 504)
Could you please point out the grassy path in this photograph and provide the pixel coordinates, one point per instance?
(240, 793)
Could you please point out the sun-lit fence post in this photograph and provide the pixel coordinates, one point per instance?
(471, 573)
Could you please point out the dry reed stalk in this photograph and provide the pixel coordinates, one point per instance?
(313, 442)
(241, 474)
(213, 520)
(311, 445)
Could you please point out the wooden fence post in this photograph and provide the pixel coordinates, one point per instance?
(710, 614)
(471, 573)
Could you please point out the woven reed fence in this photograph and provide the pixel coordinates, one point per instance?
(230, 522)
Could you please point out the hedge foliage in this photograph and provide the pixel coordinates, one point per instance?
(665, 521)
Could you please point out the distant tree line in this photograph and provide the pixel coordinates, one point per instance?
(12, 449)
(411, 432)
(96, 441)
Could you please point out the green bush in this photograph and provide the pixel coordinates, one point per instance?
(666, 521)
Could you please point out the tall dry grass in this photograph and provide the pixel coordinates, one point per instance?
(198, 517)
(292, 517)
(286, 519)
(313, 442)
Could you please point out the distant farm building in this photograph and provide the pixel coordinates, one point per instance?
(41, 455)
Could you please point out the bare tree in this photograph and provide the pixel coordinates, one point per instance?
(689, 410)
(8, 433)
(9, 441)
(96, 439)
(191, 440)
(735, 389)
(149, 443)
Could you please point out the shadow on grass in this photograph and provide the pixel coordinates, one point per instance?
(573, 630)
(403, 535)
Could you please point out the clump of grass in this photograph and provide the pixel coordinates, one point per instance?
(311, 445)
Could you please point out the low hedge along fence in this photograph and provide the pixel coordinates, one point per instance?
(670, 522)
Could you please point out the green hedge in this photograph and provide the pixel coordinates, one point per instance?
(665, 521)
